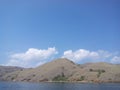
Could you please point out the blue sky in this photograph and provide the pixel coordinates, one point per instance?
(64, 25)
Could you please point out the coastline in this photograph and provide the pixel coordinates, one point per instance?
(80, 82)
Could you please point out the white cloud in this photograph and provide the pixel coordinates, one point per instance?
(79, 55)
(32, 57)
(35, 57)
(83, 55)
(115, 60)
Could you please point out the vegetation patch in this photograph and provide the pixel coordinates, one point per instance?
(60, 78)
(100, 71)
(81, 78)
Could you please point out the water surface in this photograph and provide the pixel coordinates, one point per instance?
(57, 86)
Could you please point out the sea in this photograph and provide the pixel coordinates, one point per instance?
(57, 86)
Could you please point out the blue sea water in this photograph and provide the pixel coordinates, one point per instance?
(57, 86)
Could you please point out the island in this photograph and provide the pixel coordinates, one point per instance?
(63, 70)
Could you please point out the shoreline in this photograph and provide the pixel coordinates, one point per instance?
(80, 82)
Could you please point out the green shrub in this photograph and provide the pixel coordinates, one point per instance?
(82, 78)
(100, 72)
(60, 78)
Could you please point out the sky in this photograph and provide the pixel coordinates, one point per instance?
(33, 32)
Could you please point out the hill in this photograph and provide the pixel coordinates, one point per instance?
(64, 70)
(8, 69)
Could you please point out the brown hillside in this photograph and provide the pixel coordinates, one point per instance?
(63, 69)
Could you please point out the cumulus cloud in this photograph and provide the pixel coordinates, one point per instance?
(79, 54)
(115, 60)
(35, 57)
(83, 55)
(32, 57)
